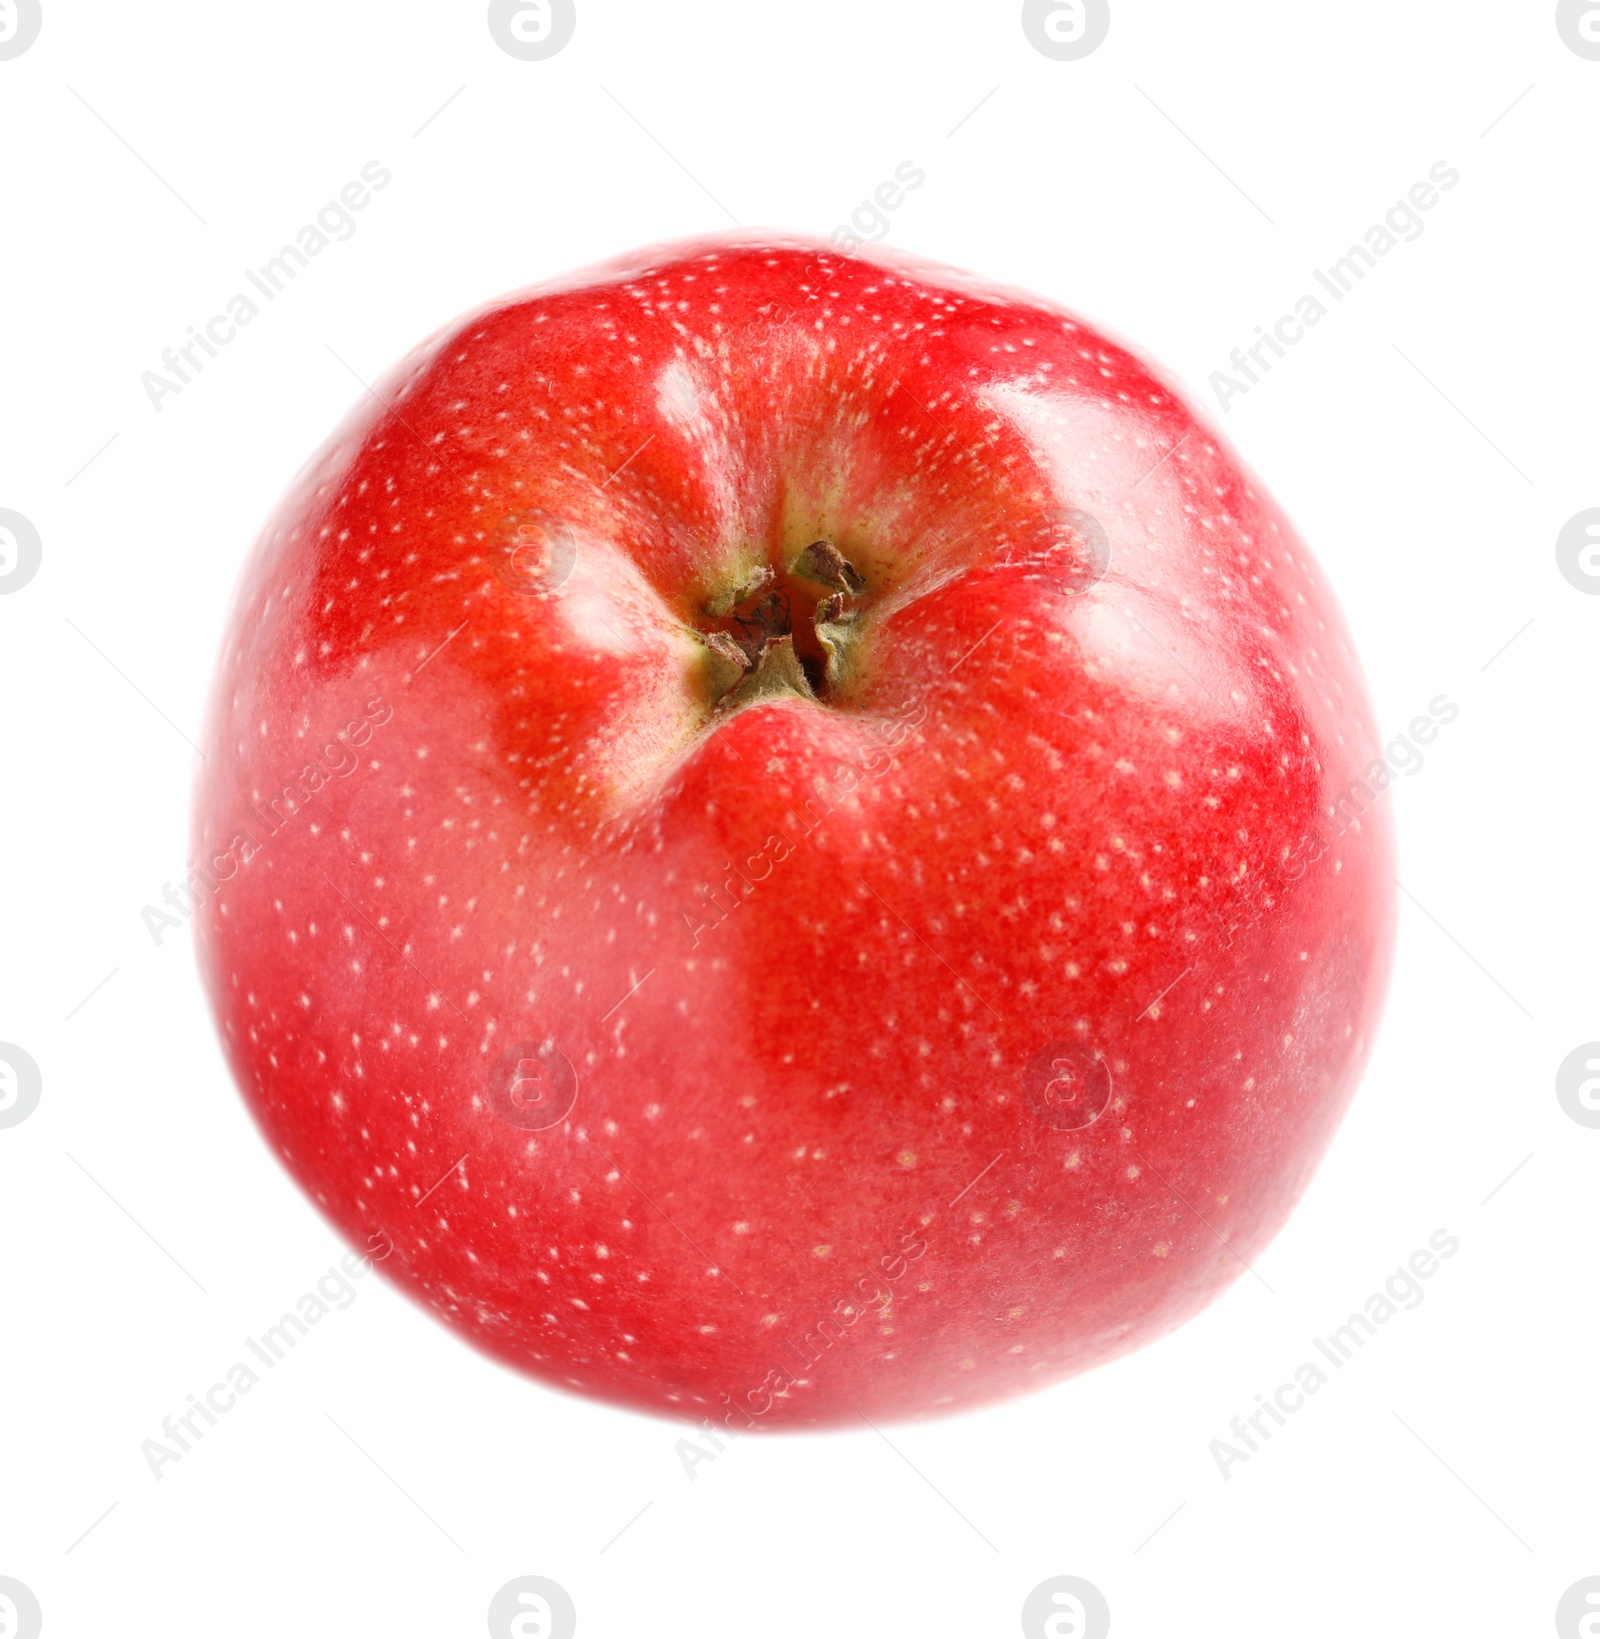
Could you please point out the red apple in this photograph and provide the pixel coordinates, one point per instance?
(771, 820)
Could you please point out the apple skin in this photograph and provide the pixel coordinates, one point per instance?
(1004, 1056)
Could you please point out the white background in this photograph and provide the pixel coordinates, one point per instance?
(1429, 438)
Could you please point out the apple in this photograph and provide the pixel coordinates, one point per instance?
(779, 824)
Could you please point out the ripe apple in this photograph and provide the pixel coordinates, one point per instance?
(772, 820)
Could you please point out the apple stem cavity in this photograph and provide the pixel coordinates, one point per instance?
(782, 633)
